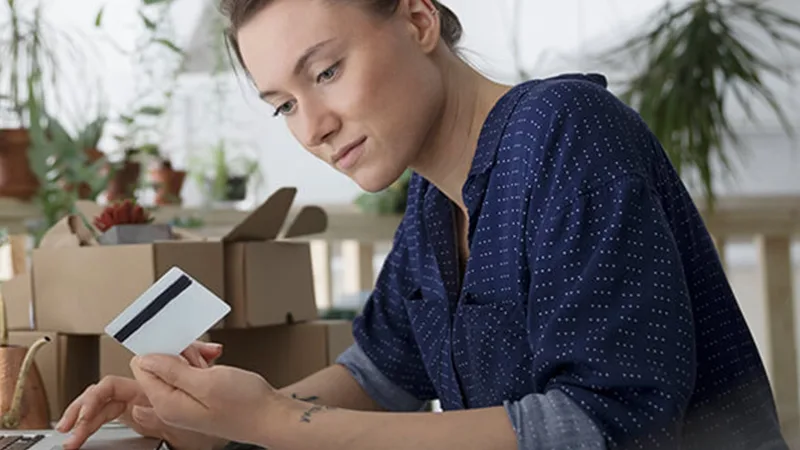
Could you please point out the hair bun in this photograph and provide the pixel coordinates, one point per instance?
(451, 26)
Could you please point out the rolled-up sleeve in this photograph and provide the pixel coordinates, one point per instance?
(387, 394)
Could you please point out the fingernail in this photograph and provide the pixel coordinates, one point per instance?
(143, 363)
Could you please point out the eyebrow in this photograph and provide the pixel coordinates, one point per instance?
(301, 63)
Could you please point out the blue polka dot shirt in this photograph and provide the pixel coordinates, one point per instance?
(590, 274)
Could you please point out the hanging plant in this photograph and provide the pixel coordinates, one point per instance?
(695, 63)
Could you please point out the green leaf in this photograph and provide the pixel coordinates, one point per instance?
(170, 45)
(155, 2)
(147, 22)
(98, 20)
(151, 110)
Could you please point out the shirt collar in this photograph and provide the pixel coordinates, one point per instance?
(493, 129)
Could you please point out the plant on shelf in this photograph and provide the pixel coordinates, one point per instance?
(157, 60)
(391, 201)
(224, 179)
(696, 61)
(29, 47)
(167, 181)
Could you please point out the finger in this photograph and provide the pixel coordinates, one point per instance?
(211, 351)
(194, 357)
(110, 388)
(171, 372)
(87, 426)
(70, 415)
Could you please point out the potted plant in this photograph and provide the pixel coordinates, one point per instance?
(223, 179)
(156, 59)
(168, 182)
(693, 63)
(127, 222)
(25, 45)
(123, 177)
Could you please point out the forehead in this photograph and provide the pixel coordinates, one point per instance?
(273, 39)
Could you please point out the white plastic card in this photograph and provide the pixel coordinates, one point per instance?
(171, 314)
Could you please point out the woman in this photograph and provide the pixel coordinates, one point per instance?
(551, 282)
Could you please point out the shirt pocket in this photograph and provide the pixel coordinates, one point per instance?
(496, 356)
(483, 313)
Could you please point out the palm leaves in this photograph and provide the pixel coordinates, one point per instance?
(696, 63)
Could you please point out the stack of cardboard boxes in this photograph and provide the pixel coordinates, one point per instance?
(76, 287)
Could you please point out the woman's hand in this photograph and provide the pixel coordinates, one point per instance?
(123, 399)
(222, 401)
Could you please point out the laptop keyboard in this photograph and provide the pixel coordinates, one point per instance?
(19, 442)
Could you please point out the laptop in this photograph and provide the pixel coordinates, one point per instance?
(111, 436)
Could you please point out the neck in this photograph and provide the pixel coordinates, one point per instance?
(446, 158)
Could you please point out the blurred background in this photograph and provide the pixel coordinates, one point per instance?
(138, 99)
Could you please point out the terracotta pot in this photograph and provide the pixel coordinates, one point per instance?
(31, 411)
(169, 183)
(123, 184)
(16, 178)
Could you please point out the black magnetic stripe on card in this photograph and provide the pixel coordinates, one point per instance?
(173, 290)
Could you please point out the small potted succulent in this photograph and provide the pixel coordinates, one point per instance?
(127, 222)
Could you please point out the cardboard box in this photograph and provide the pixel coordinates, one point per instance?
(268, 278)
(17, 295)
(115, 359)
(80, 286)
(68, 365)
(285, 354)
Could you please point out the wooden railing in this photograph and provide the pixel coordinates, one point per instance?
(348, 252)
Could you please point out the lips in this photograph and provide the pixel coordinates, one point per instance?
(342, 152)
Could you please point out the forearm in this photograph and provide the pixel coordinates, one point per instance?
(296, 425)
(332, 386)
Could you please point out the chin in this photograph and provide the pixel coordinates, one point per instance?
(375, 181)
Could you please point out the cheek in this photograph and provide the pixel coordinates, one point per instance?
(390, 97)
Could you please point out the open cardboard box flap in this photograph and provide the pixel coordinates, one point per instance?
(70, 231)
(266, 221)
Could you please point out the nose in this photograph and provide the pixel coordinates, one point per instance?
(320, 124)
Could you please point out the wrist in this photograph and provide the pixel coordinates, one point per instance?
(273, 418)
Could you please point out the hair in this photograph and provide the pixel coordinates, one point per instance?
(238, 12)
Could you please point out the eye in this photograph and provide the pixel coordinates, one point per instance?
(284, 109)
(328, 73)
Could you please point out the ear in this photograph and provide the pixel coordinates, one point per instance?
(423, 22)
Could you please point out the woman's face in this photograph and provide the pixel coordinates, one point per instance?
(358, 91)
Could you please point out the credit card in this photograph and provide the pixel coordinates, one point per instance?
(171, 314)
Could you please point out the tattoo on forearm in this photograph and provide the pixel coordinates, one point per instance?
(312, 398)
(306, 417)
